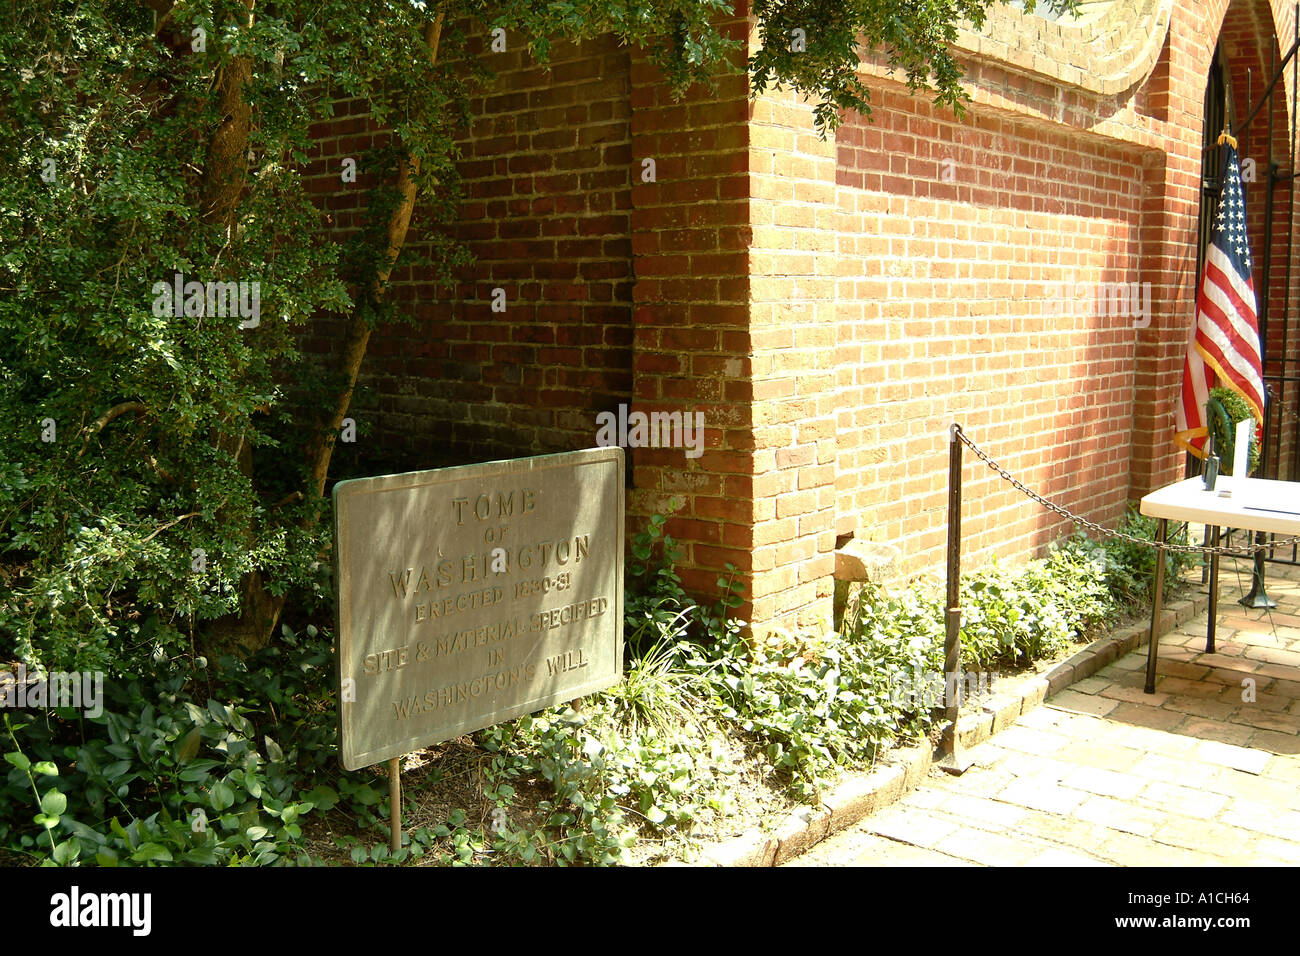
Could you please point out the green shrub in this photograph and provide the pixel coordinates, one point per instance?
(253, 747)
(1014, 615)
(656, 608)
(1130, 568)
(158, 778)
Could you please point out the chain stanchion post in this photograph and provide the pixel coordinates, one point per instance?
(953, 761)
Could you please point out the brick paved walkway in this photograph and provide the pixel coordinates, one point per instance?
(1106, 775)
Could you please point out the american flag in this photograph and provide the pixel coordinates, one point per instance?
(1224, 348)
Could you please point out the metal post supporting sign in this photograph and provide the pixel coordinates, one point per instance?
(953, 761)
(395, 803)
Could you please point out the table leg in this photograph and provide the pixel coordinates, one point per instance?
(1157, 602)
(1214, 594)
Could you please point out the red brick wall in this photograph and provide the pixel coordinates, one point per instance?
(830, 307)
(792, 314)
(690, 236)
(552, 165)
(1172, 180)
(547, 167)
(950, 234)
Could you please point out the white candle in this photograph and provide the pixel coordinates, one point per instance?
(1241, 450)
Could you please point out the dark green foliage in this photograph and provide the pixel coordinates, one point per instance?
(655, 605)
(914, 38)
(1130, 568)
(126, 531)
(1012, 615)
(1226, 409)
(817, 702)
(175, 444)
(135, 779)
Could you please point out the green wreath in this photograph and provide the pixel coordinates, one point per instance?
(1226, 408)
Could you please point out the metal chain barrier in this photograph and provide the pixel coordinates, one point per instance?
(1106, 532)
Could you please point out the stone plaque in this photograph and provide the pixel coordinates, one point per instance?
(468, 596)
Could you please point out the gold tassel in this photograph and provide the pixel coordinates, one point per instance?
(1226, 137)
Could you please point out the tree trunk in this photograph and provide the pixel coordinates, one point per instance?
(255, 626)
(227, 168)
(222, 188)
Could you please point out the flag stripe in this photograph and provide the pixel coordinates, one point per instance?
(1224, 340)
(1226, 309)
(1227, 352)
(1194, 388)
(1242, 386)
(1242, 286)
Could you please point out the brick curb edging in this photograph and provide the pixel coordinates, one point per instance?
(902, 770)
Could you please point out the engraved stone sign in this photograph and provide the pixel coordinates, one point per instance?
(471, 595)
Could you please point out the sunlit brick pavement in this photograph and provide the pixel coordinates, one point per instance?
(1195, 774)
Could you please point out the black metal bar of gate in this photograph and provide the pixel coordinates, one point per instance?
(1258, 596)
(1267, 94)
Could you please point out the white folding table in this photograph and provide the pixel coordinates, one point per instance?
(1256, 504)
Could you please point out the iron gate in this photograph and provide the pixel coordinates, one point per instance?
(1280, 446)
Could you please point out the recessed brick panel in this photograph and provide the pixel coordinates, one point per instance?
(547, 174)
